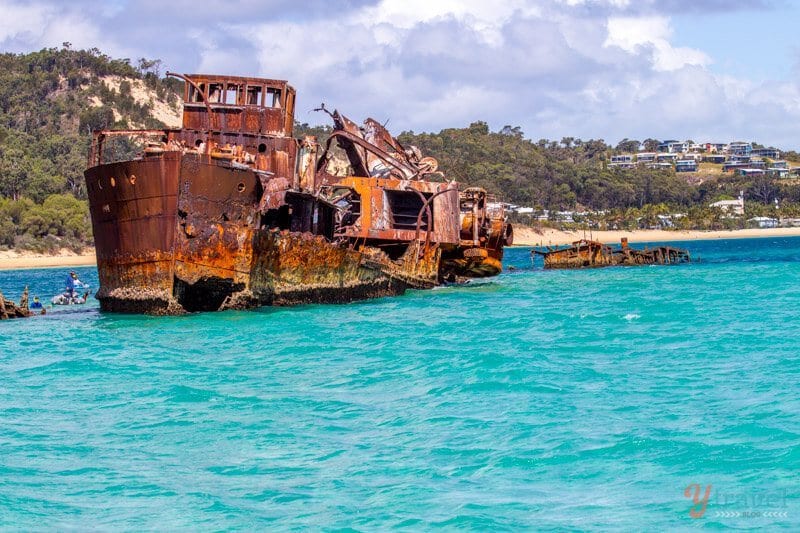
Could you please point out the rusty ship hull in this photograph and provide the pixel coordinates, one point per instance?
(183, 235)
(232, 212)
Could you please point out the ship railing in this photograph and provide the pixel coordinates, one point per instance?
(99, 138)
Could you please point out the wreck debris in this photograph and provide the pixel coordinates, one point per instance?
(231, 211)
(589, 254)
(9, 309)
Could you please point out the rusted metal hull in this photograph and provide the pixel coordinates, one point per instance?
(183, 235)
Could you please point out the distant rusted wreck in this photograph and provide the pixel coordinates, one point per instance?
(591, 254)
(232, 211)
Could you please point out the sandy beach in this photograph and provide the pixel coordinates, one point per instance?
(525, 236)
(10, 260)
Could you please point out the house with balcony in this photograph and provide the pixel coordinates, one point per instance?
(750, 172)
(715, 148)
(771, 153)
(673, 147)
(659, 166)
(686, 165)
(717, 159)
(667, 157)
(621, 161)
(740, 148)
(778, 172)
(645, 157)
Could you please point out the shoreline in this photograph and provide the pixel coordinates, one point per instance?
(527, 236)
(13, 260)
(523, 236)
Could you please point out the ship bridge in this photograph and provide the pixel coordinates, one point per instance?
(238, 105)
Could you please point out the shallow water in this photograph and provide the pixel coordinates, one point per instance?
(568, 399)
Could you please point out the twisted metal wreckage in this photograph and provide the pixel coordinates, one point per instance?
(591, 254)
(231, 211)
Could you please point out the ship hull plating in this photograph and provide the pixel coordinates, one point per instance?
(180, 234)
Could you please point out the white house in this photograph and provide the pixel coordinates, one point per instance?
(731, 206)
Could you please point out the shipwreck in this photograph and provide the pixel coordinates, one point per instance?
(231, 211)
(592, 254)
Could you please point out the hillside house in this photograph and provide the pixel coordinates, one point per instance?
(750, 172)
(621, 161)
(778, 172)
(771, 153)
(686, 165)
(667, 157)
(715, 148)
(740, 148)
(659, 166)
(673, 147)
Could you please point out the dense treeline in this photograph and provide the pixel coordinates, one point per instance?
(547, 174)
(50, 101)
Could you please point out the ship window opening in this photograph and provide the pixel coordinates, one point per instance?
(262, 148)
(195, 95)
(405, 207)
(240, 187)
(254, 93)
(215, 93)
(273, 98)
(232, 94)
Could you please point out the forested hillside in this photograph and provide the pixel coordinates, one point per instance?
(49, 103)
(574, 175)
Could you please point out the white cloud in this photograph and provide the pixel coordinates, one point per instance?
(580, 68)
(637, 34)
(24, 21)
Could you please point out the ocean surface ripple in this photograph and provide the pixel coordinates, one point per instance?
(566, 399)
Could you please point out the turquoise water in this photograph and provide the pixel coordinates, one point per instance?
(572, 399)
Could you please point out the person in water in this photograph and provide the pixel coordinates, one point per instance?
(36, 303)
(71, 283)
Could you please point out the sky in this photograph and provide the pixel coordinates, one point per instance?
(706, 70)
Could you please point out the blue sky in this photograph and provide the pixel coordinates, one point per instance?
(759, 42)
(707, 70)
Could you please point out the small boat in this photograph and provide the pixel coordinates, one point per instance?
(66, 299)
